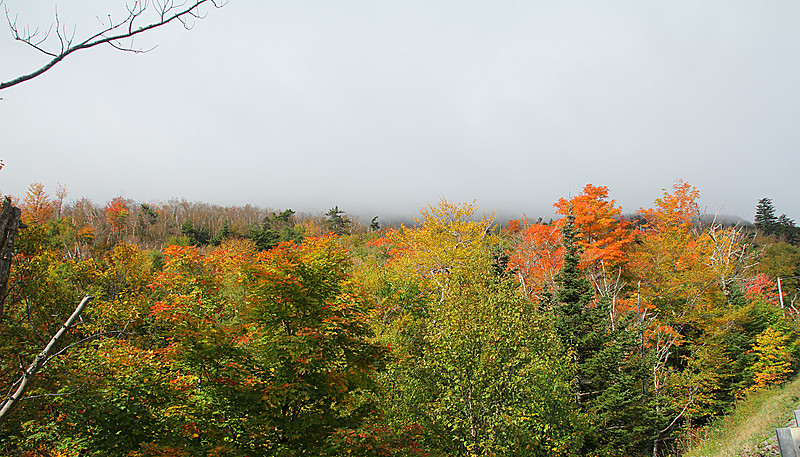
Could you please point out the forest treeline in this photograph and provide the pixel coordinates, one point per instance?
(239, 331)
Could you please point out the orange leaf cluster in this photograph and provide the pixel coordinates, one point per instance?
(117, 213)
(37, 206)
(676, 209)
(538, 257)
(602, 233)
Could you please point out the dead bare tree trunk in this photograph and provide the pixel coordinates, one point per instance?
(10, 223)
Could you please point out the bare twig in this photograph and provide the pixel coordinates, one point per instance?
(52, 395)
(83, 340)
(119, 35)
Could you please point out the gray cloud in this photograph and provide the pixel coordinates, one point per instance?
(382, 107)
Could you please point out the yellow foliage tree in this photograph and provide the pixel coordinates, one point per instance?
(474, 366)
(447, 237)
(774, 363)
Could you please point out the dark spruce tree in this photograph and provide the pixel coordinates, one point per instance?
(336, 222)
(576, 322)
(765, 219)
(146, 219)
(782, 227)
(609, 368)
(579, 326)
(787, 230)
(197, 236)
(276, 228)
(223, 234)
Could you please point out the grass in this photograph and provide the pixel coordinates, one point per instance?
(754, 421)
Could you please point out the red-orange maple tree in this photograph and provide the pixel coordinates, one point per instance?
(117, 213)
(537, 257)
(602, 232)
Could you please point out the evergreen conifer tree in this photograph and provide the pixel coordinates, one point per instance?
(608, 370)
(336, 222)
(572, 296)
(579, 325)
(276, 228)
(765, 219)
(787, 229)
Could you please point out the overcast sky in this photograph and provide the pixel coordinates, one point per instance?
(381, 107)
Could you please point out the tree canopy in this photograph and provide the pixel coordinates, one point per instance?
(245, 331)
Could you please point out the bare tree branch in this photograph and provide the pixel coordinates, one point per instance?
(83, 340)
(52, 395)
(41, 359)
(30, 319)
(119, 35)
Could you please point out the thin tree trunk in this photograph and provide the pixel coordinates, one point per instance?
(41, 359)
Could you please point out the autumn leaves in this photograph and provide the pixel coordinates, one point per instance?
(590, 335)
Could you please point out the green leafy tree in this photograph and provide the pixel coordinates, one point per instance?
(275, 344)
(475, 366)
(781, 260)
(46, 283)
(232, 353)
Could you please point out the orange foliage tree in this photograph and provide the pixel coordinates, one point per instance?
(602, 233)
(537, 258)
(670, 258)
(603, 237)
(676, 268)
(676, 210)
(117, 213)
(37, 206)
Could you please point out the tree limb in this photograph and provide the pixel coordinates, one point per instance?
(113, 33)
(41, 359)
(52, 395)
